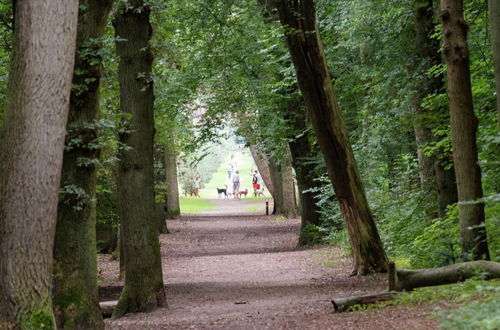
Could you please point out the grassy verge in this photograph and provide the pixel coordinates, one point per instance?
(195, 205)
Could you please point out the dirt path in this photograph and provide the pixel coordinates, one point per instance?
(243, 271)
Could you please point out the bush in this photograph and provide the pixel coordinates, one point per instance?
(439, 243)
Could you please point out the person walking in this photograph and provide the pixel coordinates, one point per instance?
(236, 183)
(197, 186)
(255, 183)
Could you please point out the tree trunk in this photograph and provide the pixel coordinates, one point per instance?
(314, 81)
(436, 181)
(75, 268)
(161, 218)
(32, 151)
(172, 194)
(463, 131)
(447, 186)
(302, 153)
(143, 289)
(494, 11)
(277, 183)
(288, 185)
(427, 50)
(263, 167)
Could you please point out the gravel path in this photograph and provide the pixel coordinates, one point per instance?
(235, 269)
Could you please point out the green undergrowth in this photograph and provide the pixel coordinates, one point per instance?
(38, 319)
(195, 205)
(478, 303)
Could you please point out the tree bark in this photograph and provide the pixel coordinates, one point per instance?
(277, 183)
(436, 180)
(463, 131)
(76, 304)
(288, 185)
(143, 289)
(161, 218)
(301, 152)
(263, 167)
(172, 194)
(32, 151)
(306, 50)
(345, 304)
(494, 11)
(408, 279)
(446, 184)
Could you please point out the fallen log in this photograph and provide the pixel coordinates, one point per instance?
(345, 304)
(408, 279)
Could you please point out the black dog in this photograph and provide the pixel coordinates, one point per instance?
(221, 191)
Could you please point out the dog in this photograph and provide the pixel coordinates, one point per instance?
(222, 191)
(243, 193)
(259, 192)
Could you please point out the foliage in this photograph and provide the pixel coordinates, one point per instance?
(439, 243)
(483, 314)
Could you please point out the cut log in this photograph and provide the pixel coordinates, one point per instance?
(408, 279)
(344, 304)
(107, 307)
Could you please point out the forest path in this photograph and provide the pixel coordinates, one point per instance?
(244, 271)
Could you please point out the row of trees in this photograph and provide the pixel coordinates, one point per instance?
(261, 65)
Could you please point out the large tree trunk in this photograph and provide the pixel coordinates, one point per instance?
(172, 194)
(288, 185)
(436, 180)
(32, 152)
(494, 11)
(76, 304)
(263, 167)
(428, 55)
(307, 54)
(143, 288)
(302, 154)
(463, 131)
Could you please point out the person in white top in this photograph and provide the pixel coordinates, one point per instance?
(236, 183)
(197, 186)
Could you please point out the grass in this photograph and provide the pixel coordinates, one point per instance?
(195, 205)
